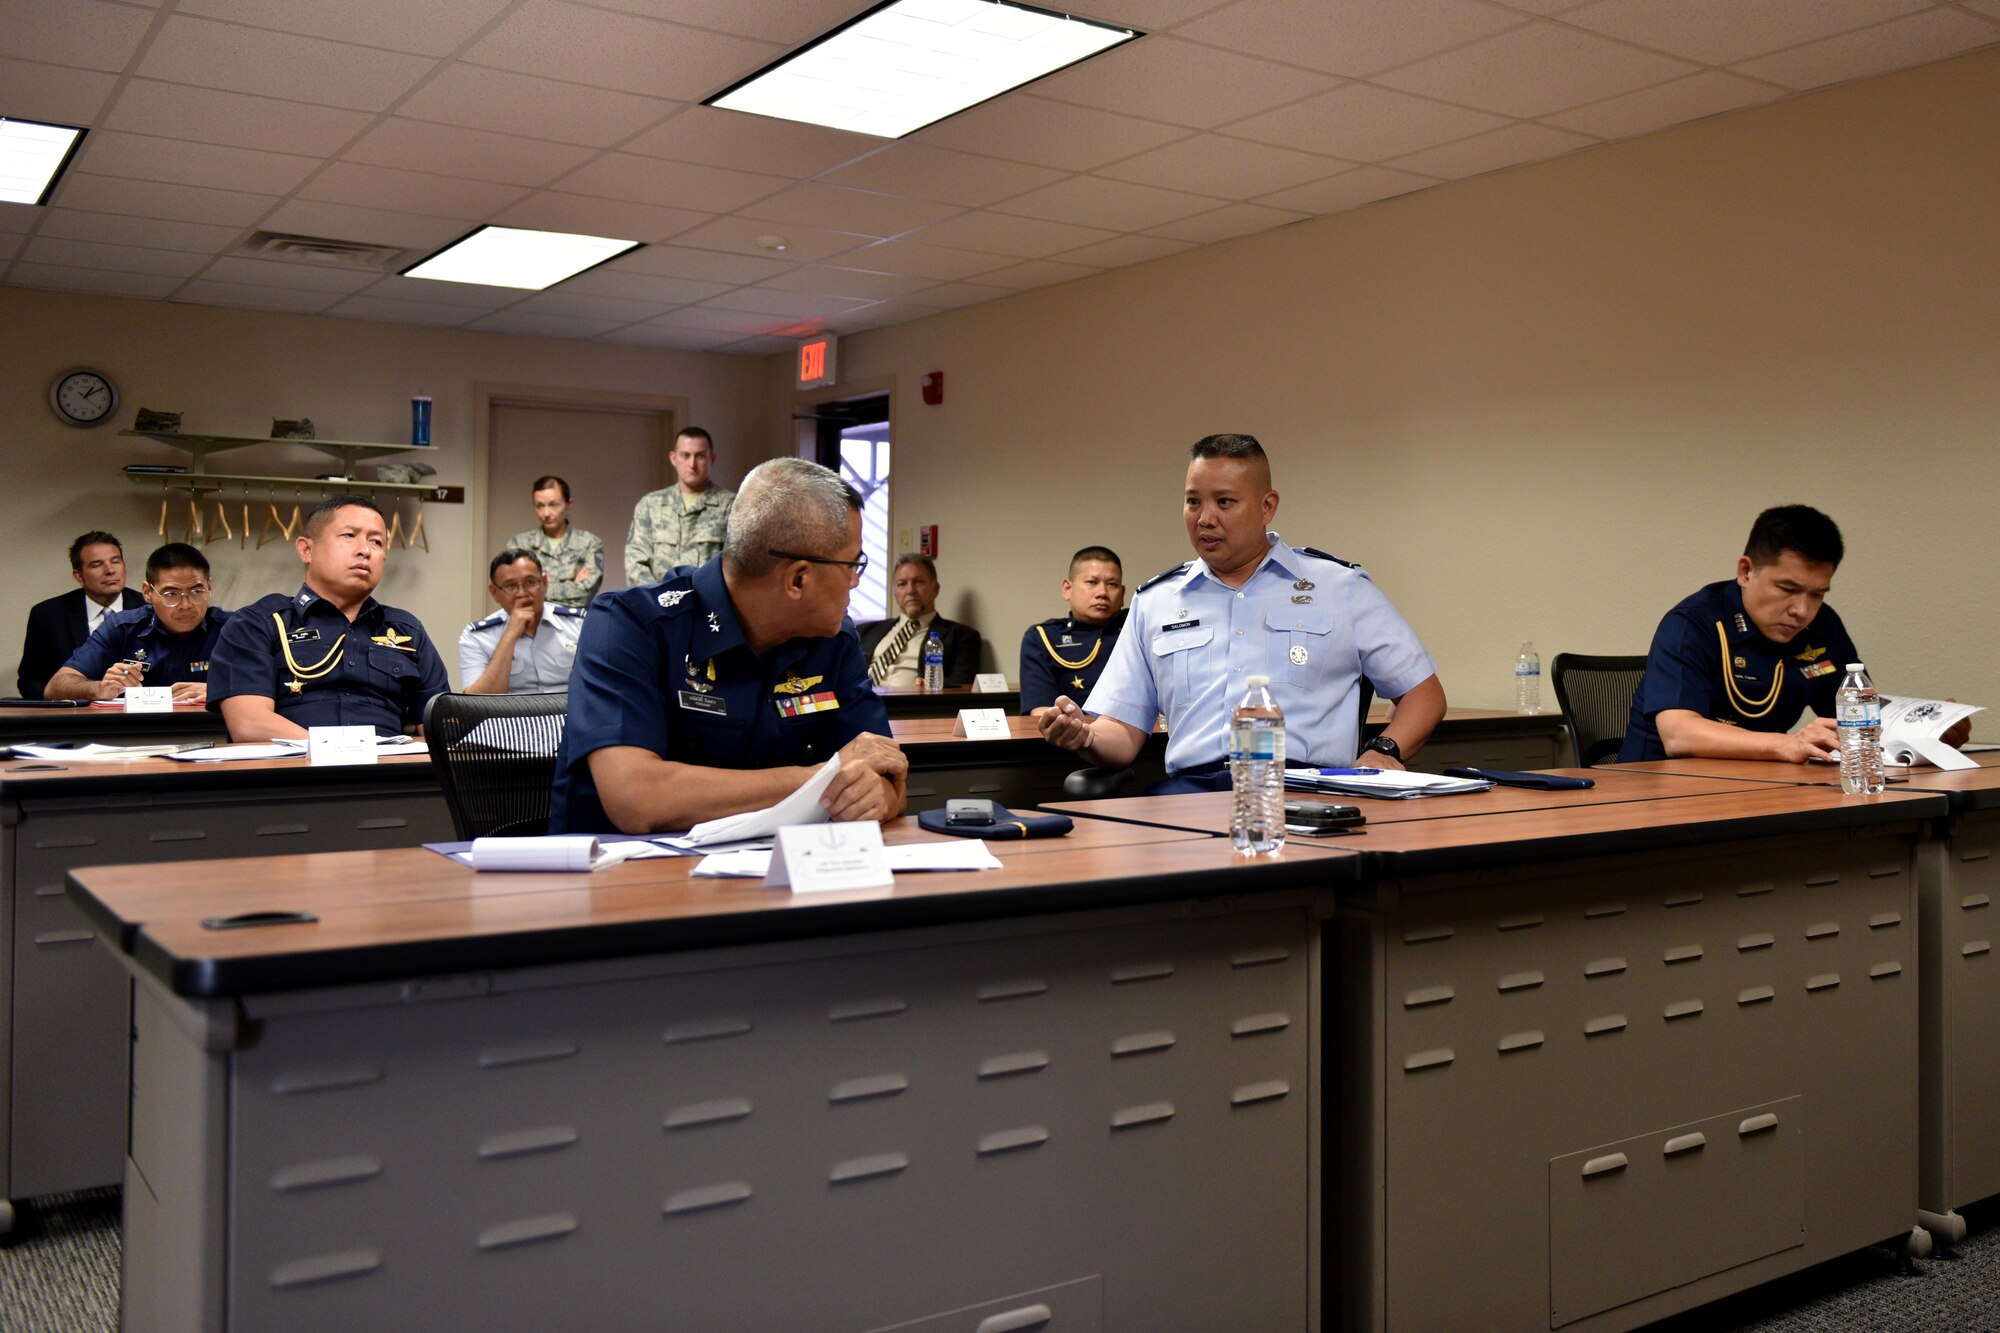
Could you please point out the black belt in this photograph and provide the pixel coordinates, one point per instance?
(1212, 766)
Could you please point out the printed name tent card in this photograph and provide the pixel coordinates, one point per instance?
(340, 745)
(989, 682)
(149, 699)
(981, 724)
(828, 858)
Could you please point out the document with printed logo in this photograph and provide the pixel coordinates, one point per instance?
(1913, 731)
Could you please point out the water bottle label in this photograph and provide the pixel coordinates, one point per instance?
(1859, 715)
(1255, 746)
(1526, 669)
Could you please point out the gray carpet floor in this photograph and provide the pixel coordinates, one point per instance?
(61, 1276)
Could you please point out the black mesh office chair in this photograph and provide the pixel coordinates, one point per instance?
(495, 756)
(1595, 695)
(1096, 784)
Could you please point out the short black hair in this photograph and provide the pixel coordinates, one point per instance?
(175, 555)
(508, 557)
(1799, 528)
(696, 433)
(317, 520)
(1226, 446)
(543, 483)
(1103, 553)
(928, 565)
(91, 538)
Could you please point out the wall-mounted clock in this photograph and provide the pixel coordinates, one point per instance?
(84, 397)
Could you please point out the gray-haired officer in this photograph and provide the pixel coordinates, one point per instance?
(529, 644)
(329, 654)
(1251, 605)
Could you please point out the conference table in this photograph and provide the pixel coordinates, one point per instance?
(110, 726)
(1080, 1091)
(1601, 1056)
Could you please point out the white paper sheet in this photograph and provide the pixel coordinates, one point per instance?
(222, 754)
(801, 807)
(559, 852)
(948, 855)
(95, 753)
(1912, 728)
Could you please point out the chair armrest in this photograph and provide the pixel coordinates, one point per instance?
(1095, 784)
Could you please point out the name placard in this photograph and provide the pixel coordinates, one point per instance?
(989, 682)
(340, 745)
(828, 858)
(149, 699)
(982, 724)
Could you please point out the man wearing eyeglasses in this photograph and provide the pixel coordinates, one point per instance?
(895, 647)
(165, 642)
(725, 686)
(529, 644)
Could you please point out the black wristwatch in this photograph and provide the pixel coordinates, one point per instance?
(1385, 745)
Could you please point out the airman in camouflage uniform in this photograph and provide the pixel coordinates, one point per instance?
(574, 561)
(683, 524)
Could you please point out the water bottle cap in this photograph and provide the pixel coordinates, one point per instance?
(1254, 681)
(1857, 666)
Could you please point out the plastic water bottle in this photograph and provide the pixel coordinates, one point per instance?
(933, 662)
(1858, 709)
(1257, 772)
(1528, 679)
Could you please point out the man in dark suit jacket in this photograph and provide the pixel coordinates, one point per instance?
(58, 627)
(895, 647)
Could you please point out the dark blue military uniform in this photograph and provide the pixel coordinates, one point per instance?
(301, 653)
(1709, 657)
(1064, 656)
(138, 635)
(665, 667)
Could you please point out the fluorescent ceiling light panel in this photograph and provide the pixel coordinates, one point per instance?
(32, 155)
(512, 257)
(908, 63)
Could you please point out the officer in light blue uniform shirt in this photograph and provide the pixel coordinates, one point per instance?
(1250, 605)
(529, 645)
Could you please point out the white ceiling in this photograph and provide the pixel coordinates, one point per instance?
(405, 123)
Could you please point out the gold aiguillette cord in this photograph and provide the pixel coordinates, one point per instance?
(302, 674)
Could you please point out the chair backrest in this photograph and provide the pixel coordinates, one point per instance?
(495, 756)
(1595, 695)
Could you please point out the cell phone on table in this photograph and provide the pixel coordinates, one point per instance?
(1318, 819)
(972, 811)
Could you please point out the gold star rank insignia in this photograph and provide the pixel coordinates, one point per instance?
(296, 686)
(1076, 682)
(389, 638)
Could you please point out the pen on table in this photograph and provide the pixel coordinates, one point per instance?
(1347, 772)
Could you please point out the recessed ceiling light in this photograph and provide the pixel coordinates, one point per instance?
(775, 244)
(512, 257)
(32, 156)
(908, 63)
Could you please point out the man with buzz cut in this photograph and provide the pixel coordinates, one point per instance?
(683, 524)
(1066, 654)
(168, 641)
(1734, 666)
(1249, 605)
(329, 654)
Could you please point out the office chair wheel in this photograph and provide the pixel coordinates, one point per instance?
(1947, 1229)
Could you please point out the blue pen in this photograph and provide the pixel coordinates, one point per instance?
(1347, 772)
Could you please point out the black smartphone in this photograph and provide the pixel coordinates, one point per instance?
(1318, 819)
(968, 811)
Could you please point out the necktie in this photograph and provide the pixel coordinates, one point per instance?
(892, 649)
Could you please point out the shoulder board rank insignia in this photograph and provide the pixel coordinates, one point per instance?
(1318, 554)
(672, 598)
(1741, 628)
(1812, 654)
(793, 683)
(1181, 568)
(389, 638)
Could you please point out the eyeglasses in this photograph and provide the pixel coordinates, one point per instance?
(175, 596)
(855, 568)
(516, 589)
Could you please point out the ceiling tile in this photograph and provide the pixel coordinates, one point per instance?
(925, 261)
(856, 211)
(87, 34)
(735, 322)
(1508, 146)
(1166, 79)
(116, 258)
(786, 22)
(953, 295)
(428, 291)
(544, 326)
(54, 94)
(1125, 250)
(1023, 128)
(1091, 201)
(1990, 8)
(679, 261)
(1350, 190)
(1363, 123)
(453, 150)
(880, 315)
(649, 180)
(308, 277)
(1144, 15)
(115, 229)
(1229, 168)
(659, 335)
(790, 305)
(739, 236)
(611, 280)
(551, 210)
(91, 280)
(1533, 70)
(277, 64)
(1721, 32)
(1898, 44)
(209, 115)
(920, 171)
(603, 49)
(831, 281)
(388, 311)
(772, 346)
(493, 99)
(1023, 238)
(1226, 223)
(374, 226)
(183, 162)
(1698, 95)
(10, 244)
(565, 300)
(427, 29)
(256, 298)
(1350, 37)
(1037, 273)
(181, 203)
(720, 138)
(409, 191)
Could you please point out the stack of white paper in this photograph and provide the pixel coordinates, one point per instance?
(954, 854)
(801, 807)
(1912, 730)
(1392, 784)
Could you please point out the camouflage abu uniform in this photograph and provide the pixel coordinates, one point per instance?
(563, 559)
(666, 533)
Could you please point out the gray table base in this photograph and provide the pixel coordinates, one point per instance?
(1961, 996)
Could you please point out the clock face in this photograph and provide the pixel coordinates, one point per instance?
(83, 397)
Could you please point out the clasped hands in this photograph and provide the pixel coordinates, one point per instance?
(869, 784)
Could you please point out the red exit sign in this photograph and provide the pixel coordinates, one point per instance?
(817, 357)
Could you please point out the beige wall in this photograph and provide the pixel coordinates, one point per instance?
(231, 371)
(1543, 403)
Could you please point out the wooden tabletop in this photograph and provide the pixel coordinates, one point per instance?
(1971, 788)
(186, 722)
(20, 778)
(410, 912)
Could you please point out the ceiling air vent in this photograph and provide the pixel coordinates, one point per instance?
(322, 250)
